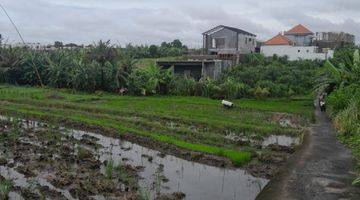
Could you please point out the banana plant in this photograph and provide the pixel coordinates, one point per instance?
(11, 60)
(346, 73)
(125, 66)
(356, 182)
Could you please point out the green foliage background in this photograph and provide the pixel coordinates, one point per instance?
(112, 68)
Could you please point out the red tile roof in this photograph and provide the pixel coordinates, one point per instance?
(279, 40)
(299, 30)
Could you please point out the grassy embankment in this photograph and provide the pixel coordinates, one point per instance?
(145, 62)
(193, 123)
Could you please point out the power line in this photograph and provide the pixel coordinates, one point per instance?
(13, 23)
(23, 41)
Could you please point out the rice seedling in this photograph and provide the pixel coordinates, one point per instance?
(150, 117)
(5, 187)
(109, 168)
(144, 194)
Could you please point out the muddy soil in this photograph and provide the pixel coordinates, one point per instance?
(259, 167)
(44, 163)
(60, 162)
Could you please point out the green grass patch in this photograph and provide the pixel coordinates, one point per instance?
(146, 62)
(200, 123)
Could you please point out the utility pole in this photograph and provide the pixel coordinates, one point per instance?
(13, 23)
(23, 41)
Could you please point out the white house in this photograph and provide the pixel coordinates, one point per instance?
(295, 44)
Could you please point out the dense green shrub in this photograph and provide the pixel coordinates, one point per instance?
(347, 121)
(184, 86)
(166, 49)
(344, 107)
(279, 76)
(83, 73)
(339, 99)
(341, 78)
(234, 89)
(217, 92)
(207, 87)
(261, 93)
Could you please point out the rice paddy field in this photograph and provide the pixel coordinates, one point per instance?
(255, 135)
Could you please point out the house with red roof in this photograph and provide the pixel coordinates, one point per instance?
(300, 35)
(279, 39)
(295, 43)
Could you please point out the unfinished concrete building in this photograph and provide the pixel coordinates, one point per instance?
(223, 47)
(197, 69)
(228, 40)
(333, 40)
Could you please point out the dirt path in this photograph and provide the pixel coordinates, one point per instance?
(321, 169)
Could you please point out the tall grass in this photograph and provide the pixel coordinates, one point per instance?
(348, 120)
(109, 168)
(5, 187)
(144, 194)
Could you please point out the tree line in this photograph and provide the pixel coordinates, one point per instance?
(165, 49)
(105, 67)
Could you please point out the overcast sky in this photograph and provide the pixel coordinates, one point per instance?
(154, 21)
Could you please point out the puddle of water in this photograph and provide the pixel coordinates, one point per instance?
(15, 196)
(197, 181)
(16, 177)
(282, 140)
(239, 138)
(21, 181)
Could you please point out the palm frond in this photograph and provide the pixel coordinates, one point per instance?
(335, 72)
(356, 61)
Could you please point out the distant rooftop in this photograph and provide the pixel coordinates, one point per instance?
(279, 40)
(299, 30)
(220, 27)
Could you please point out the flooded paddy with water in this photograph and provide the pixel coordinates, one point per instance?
(44, 161)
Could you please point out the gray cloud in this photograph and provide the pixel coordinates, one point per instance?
(147, 22)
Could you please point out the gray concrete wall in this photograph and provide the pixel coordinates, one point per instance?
(234, 42)
(246, 44)
(214, 70)
(208, 70)
(230, 40)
